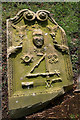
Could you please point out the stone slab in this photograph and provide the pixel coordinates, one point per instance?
(38, 60)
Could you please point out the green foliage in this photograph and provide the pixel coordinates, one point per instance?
(66, 14)
(72, 116)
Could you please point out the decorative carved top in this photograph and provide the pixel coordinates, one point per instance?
(28, 15)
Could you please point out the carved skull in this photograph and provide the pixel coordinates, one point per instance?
(38, 38)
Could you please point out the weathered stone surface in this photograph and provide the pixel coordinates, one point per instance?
(39, 67)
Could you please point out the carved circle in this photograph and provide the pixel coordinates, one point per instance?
(42, 16)
(29, 15)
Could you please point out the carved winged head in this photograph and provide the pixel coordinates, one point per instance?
(38, 38)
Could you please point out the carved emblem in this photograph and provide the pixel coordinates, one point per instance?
(50, 83)
(53, 58)
(38, 39)
(40, 15)
(27, 58)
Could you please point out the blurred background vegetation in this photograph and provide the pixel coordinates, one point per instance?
(66, 15)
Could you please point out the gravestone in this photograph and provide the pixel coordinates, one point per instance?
(39, 67)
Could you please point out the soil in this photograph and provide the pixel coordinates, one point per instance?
(67, 110)
(65, 107)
